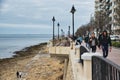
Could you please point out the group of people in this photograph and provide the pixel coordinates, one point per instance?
(103, 42)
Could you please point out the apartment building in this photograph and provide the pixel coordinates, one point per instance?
(115, 24)
(108, 7)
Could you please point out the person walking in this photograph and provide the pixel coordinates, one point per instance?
(99, 37)
(87, 41)
(93, 42)
(105, 42)
(17, 74)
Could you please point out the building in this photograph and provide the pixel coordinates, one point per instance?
(102, 14)
(107, 15)
(115, 25)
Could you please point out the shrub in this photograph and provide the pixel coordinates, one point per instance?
(116, 44)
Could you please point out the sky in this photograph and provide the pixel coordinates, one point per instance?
(35, 16)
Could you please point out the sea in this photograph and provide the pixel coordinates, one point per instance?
(9, 43)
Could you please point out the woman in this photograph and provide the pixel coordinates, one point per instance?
(93, 42)
(105, 42)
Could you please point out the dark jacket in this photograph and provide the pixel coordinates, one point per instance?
(86, 39)
(105, 41)
(96, 41)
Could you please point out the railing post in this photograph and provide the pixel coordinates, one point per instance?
(87, 58)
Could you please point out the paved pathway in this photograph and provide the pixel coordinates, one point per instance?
(114, 55)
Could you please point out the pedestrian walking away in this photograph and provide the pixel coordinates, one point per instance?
(99, 37)
(93, 42)
(17, 74)
(87, 41)
(105, 43)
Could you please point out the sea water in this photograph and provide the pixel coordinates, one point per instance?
(9, 43)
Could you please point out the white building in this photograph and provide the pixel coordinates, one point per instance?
(115, 25)
(109, 6)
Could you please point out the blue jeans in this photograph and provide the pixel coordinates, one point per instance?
(105, 51)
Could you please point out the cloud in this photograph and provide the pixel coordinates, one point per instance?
(37, 13)
(5, 8)
(25, 25)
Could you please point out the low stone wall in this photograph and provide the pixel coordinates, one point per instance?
(69, 75)
(69, 72)
(70, 69)
(74, 69)
(61, 56)
(77, 70)
(59, 50)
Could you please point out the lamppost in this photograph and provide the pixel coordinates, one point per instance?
(53, 19)
(58, 29)
(91, 21)
(69, 31)
(62, 33)
(73, 11)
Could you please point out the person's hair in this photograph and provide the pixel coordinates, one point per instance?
(105, 32)
(93, 33)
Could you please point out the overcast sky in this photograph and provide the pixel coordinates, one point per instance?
(35, 16)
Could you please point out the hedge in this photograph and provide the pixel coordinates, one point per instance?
(116, 44)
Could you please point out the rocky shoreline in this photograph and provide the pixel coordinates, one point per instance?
(9, 66)
(24, 53)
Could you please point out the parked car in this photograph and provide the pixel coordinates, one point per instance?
(114, 37)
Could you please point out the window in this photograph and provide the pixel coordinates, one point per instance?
(100, 0)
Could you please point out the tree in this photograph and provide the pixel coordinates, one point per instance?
(117, 18)
(118, 13)
(83, 29)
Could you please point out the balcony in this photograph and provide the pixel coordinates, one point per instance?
(107, 1)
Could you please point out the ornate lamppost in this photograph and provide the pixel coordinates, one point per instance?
(58, 29)
(73, 11)
(53, 19)
(69, 31)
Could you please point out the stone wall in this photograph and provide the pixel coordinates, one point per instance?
(69, 75)
(59, 50)
(74, 69)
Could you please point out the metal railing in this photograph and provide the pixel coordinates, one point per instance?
(104, 69)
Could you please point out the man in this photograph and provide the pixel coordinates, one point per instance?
(105, 42)
(93, 42)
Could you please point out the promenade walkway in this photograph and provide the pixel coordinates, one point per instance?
(82, 71)
(114, 55)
